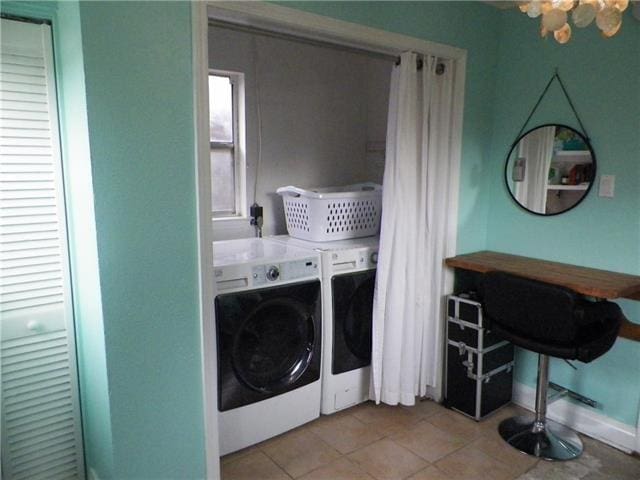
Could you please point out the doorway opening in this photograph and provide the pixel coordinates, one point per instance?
(283, 20)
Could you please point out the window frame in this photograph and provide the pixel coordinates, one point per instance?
(237, 147)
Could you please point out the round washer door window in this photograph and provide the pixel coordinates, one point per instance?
(357, 331)
(274, 345)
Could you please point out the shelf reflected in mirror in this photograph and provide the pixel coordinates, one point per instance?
(550, 169)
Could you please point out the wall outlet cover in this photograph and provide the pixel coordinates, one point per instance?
(607, 186)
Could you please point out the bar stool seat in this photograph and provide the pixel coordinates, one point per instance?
(554, 322)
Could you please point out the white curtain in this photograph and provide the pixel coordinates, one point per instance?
(416, 233)
(537, 149)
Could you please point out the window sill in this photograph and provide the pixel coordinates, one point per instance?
(243, 218)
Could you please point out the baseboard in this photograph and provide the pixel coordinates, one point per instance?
(637, 449)
(582, 419)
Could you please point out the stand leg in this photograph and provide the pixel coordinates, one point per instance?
(537, 436)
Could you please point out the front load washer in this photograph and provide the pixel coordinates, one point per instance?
(269, 339)
(348, 274)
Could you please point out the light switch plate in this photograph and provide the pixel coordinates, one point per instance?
(607, 186)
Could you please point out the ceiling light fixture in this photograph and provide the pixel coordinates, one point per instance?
(555, 16)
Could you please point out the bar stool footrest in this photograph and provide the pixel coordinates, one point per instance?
(565, 392)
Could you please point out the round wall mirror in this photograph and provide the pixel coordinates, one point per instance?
(550, 169)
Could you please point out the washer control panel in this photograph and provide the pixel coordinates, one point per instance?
(354, 259)
(284, 271)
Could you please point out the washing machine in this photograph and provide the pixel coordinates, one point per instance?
(348, 274)
(268, 310)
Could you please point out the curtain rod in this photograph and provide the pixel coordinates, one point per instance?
(301, 39)
(419, 62)
(440, 67)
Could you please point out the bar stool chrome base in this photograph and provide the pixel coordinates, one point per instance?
(548, 440)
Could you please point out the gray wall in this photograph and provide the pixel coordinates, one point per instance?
(324, 115)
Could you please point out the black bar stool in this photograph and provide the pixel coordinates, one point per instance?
(553, 322)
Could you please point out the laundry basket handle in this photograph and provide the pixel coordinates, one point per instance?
(292, 191)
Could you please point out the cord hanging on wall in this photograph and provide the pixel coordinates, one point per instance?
(256, 211)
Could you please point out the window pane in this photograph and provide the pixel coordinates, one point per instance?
(220, 109)
(223, 194)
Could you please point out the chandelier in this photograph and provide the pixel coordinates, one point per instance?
(555, 15)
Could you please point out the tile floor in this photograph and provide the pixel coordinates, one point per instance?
(425, 442)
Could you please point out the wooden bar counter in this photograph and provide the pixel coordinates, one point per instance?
(586, 281)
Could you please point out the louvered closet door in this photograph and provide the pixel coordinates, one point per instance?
(41, 435)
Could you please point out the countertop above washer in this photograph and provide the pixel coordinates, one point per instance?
(245, 250)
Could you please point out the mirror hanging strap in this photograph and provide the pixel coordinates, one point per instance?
(556, 76)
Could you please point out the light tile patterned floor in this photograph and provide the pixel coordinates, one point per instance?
(425, 442)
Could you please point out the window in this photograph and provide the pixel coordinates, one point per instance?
(226, 122)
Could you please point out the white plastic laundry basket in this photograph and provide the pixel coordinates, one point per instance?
(333, 213)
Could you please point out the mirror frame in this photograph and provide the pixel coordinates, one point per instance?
(515, 144)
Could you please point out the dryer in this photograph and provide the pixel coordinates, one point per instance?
(269, 339)
(348, 273)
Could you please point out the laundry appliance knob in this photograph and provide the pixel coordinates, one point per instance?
(273, 273)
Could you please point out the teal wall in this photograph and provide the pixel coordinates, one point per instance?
(125, 89)
(448, 23)
(138, 73)
(602, 79)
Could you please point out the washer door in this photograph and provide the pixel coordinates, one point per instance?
(269, 342)
(274, 345)
(352, 320)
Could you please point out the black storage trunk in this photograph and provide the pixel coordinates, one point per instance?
(479, 365)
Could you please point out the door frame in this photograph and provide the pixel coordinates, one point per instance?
(296, 22)
(44, 19)
(200, 65)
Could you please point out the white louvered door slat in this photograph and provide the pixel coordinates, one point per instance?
(41, 434)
